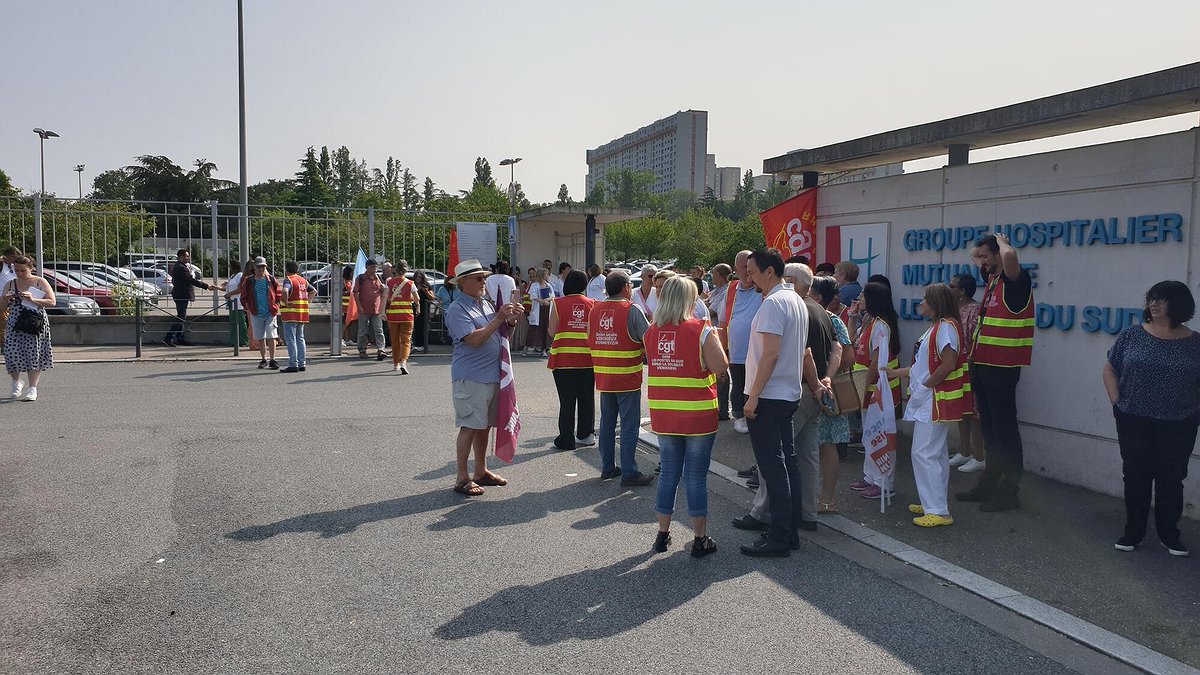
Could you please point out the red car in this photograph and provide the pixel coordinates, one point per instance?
(71, 284)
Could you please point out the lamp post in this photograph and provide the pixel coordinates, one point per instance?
(43, 134)
(244, 206)
(79, 170)
(512, 183)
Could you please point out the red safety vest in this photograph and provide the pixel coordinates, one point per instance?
(953, 398)
(681, 394)
(400, 309)
(616, 357)
(1003, 337)
(862, 360)
(294, 307)
(570, 346)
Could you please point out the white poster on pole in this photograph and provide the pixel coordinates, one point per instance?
(478, 241)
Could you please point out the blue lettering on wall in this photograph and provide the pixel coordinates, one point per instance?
(1111, 231)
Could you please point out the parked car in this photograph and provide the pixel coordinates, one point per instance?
(105, 276)
(122, 273)
(156, 276)
(74, 305)
(65, 284)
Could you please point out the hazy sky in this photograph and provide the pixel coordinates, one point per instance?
(437, 83)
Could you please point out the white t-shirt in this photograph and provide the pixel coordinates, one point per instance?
(500, 283)
(556, 283)
(920, 400)
(235, 284)
(782, 313)
(7, 274)
(647, 304)
(701, 310)
(535, 293)
(595, 288)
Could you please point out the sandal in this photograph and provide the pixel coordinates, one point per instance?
(469, 488)
(826, 509)
(491, 479)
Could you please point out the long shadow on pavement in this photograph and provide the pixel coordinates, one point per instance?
(343, 521)
(530, 506)
(451, 467)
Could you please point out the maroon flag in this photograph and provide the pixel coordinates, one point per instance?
(508, 419)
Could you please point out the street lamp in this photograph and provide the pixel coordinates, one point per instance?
(79, 170)
(512, 183)
(44, 134)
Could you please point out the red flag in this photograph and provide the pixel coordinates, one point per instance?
(452, 260)
(791, 225)
(508, 419)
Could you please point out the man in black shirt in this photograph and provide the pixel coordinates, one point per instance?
(183, 291)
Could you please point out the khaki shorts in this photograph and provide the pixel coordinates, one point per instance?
(263, 327)
(475, 404)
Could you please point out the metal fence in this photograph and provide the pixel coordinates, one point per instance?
(116, 232)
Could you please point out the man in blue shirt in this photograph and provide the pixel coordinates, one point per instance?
(746, 301)
(473, 322)
(845, 273)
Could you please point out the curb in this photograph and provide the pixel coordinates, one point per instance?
(1102, 640)
(196, 359)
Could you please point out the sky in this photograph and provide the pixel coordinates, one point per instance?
(437, 84)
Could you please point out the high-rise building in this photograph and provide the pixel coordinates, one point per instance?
(674, 148)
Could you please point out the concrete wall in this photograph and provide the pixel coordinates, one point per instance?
(121, 330)
(1066, 420)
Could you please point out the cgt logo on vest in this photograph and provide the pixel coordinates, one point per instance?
(577, 314)
(607, 319)
(666, 344)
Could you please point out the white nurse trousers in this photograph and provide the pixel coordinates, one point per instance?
(931, 465)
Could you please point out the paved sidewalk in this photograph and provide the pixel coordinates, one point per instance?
(1058, 548)
(156, 351)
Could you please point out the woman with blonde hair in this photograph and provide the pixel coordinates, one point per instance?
(684, 357)
(939, 397)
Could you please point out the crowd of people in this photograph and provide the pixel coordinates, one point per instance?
(763, 345)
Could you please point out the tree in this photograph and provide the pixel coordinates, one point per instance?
(326, 167)
(346, 183)
(519, 199)
(6, 186)
(410, 198)
(428, 194)
(483, 174)
(113, 184)
(564, 197)
(598, 196)
(272, 192)
(709, 200)
(631, 189)
(311, 188)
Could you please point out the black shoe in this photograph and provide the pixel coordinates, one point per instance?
(1176, 548)
(1001, 502)
(273, 365)
(1127, 543)
(302, 369)
(262, 364)
(752, 482)
(379, 356)
(662, 541)
(610, 474)
(808, 525)
(167, 342)
(749, 522)
(767, 548)
(702, 546)
(290, 369)
(558, 446)
(639, 479)
(793, 540)
(975, 494)
(746, 473)
(723, 417)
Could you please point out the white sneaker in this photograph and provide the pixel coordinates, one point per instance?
(972, 466)
(740, 426)
(586, 441)
(959, 460)
(396, 368)
(30, 395)
(16, 389)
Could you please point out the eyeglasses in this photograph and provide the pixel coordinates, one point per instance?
(1156, 301)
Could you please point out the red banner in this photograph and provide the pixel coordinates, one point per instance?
(791, 225)
(452, 261)
(508, 418)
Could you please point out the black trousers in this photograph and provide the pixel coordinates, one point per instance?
(418, 336)
(737, 389)
(180, 326)
(576, 405)
(1154, 458)
(723, 396)
(995, 390)
(775, 453)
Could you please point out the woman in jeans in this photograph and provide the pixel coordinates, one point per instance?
(684, 358)
(1152, 377)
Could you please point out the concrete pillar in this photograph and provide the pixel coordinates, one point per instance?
(589, 238)
(809, 179)
(959, 154)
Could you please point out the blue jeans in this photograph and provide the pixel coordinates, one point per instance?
(686, 456)
(628, 406)
(293, 336)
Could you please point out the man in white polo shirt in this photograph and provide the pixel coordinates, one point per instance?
(774, 372)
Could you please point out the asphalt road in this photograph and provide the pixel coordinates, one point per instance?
(210, 517)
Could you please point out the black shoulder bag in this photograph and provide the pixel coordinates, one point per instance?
(30, 321)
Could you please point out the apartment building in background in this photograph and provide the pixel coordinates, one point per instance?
(674, 148)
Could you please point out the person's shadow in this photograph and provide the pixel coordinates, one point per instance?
(591, 604)
(527, 507)
(451, 467)
(343, 521)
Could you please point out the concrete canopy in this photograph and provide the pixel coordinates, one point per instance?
(560, 233)
(1166, 92)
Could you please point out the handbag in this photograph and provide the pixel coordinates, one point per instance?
(30, 321)
(848, 390)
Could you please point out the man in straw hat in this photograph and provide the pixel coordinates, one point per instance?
(473, 322)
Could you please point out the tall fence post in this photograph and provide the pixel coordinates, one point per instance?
(37, 233)
(212, 205)
(137, 326)
(371, 231)
(335, 309)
